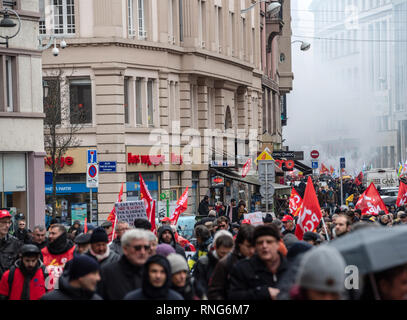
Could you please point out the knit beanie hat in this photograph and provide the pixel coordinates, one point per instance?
(289, 239)
(164, 249)
(266, 230)
(323, 269)
(82, 265)
(177, 263)
(99, 235)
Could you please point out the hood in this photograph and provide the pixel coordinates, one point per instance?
(19, 264)
(153, 292)
(60, 244)
(161, 231)
(73, 293)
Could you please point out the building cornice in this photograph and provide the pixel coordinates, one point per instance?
(25, 115)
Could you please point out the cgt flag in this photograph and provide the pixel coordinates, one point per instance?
(359, 179)
(145, 195)
(370, 202)
(402, 195)
(323, 169)
(295, 202)
(181, 206)
(310, 213)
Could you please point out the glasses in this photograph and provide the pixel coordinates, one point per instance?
(138, 248)
(222, 226)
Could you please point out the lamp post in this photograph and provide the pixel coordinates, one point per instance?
(6, 22)
(304, 45)
(273, 8)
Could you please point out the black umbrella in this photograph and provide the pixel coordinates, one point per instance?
(374, 249)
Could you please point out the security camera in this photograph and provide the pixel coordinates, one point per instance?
(63, 44)
(55, 51)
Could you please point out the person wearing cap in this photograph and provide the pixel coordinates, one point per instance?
(321, 275)
(108, 226)
(180, 277)
(312, 238)
(9, 245)
(58, 251)
(121, 228)
(243, 248)
(164, 249)
(99, 248)
(156, 282)
(268, 219)
(78, 282)
(288, 222)
(26, 279)
(257, 278)
(82, 242)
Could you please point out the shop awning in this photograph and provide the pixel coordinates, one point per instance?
(254, 180)
(302, 167)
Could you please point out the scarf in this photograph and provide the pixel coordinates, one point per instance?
(60, 245)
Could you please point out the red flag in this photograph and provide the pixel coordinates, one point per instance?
(402, 195)
(359, 179)
(331, 170)
(182, 205)
(145, 195)
(323, 169)
(112, 216)
(246, 167)
(295, 202)
(310, 213)
(152, 219)
(85, 230)
(370, 202)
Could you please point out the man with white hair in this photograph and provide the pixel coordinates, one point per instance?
(203, 271)
(125, 275)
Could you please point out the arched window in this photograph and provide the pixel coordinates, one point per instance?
(228, 119)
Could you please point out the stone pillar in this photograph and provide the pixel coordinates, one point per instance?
(164, 101)
(110, 134)
(36, 189)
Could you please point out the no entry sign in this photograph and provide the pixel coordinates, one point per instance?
(92, 176)
(314, 154)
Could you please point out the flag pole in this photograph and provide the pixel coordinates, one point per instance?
(326, 231)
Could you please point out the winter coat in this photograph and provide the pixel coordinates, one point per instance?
(203, 208)
(148, 291)
(22, 235)
(187, 291)
(203, 273)
(288, 279)
(9, 250)
(66, 292)
(112, 257)
(250, 279)
(116, 246)
(24, 285)
(56, 255)
(202, 250)
(174, 244)
(220, 282)
(119, 278)
(235, 213)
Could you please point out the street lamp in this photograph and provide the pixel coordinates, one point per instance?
(273, 8)
(6, 22)
(304, 45)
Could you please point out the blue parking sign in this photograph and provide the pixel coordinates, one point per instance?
(92, 156)
(342, 163)
(314, 164)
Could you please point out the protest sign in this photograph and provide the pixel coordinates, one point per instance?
(255, 218)
(130, 210)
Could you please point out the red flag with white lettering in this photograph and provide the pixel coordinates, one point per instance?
(152, 218)
(182, 205)
(402, 195)
(295, 203)
(370, 202)
(310, 213)
(145, 195)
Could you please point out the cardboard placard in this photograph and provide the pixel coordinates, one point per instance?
(255, 218)
(130, 210)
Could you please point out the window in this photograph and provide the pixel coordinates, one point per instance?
(150, 102)
(42, 28)
(131, 28)
(218, 28)
(142, 34)
(10, 4)
(139, 106)
(52, 103)
(194, 106)
(126, 100)
(8, 83)
(202, 23)
(243, 39)
(232, 33)
(64, 16)
(172, 15)
(81, 101)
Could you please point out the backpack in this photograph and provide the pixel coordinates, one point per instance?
(11, 277)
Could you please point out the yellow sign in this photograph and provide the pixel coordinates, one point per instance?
(264, 156)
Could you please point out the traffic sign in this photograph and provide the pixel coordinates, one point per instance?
(342, 162)
(92, 176)
(314, 164)
(92, 156)
(314, 154)
(264, 156)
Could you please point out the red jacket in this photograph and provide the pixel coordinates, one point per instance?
(36, 287)
(55, 264)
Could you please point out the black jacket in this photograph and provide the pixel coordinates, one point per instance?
(250, 279)
(22, 235)
(112, 257)
(119, 278)
(203, 273)
(66, 292)
(203, 208)
(178, 249)
(148, 291)
(235, 214)
(9, 251)
(116, 246)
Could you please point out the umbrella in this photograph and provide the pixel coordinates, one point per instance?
(374, 249)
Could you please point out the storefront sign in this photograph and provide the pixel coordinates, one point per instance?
(60, 161)
(150, 160)
(222, 163)
(217, 181)
(289, 164)
(68, 188)
(130, 210)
